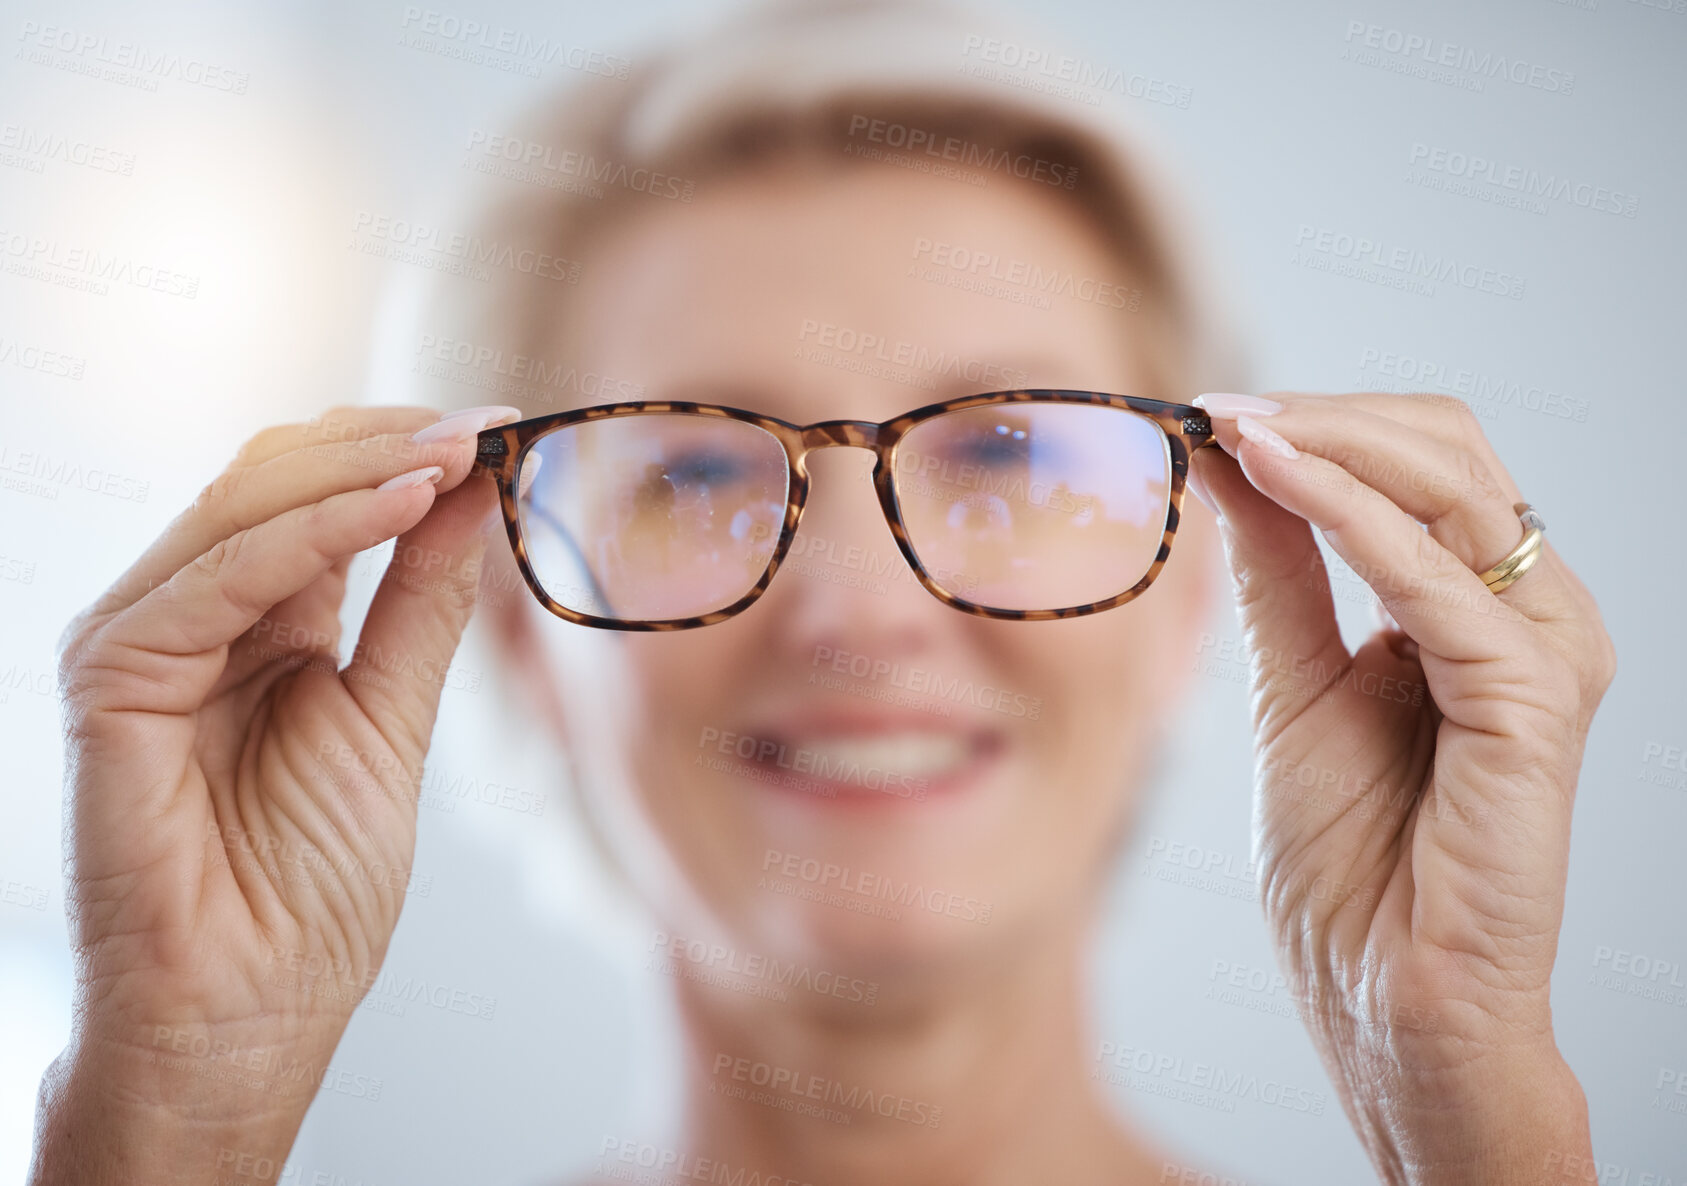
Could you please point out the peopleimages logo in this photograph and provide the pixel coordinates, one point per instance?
(535, 161)
(144, 65)
(786, 1081)
(926, 681)
(1063, 75)
(729, 961)
(480, 365)
(1406, 261)
(39, 257)
(1018, 273)
(378, 230)
(1421, 50)
(618, 1158)
(41, 146)
(50, 474)
(861, 883)
(954, 150)
(45, 362)
(820, 341)
(1202, 1083)
(512, 50)
(800, 766)
(1639, 974)
(1484, 393)
(1524, 182)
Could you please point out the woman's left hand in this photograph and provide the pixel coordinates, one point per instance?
(1413, 798)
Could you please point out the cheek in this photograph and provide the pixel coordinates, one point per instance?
(1105, 665)
(682, 683)
(663, 673)
(1109, 683)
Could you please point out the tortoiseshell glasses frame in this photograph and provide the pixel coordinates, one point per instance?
(500, 451)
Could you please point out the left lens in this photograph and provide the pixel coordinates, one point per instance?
(652, 517)
(1034, 506)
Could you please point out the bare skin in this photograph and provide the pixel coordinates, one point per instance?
(240, 803)
(211, 844)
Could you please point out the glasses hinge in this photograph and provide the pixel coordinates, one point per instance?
(492, 447)
(1197, 426)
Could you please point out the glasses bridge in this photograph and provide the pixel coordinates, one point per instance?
(860, 434)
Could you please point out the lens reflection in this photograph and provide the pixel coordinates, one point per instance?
(1035, 506)
(652, 517)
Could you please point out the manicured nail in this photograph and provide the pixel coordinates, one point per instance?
(1226, 405)
(1262, 436)
(416, 477)
(462, 425)
(513, 414)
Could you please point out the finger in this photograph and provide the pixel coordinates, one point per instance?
(1444, 417)
(1282, 593)
(300, 630)
(1445, 485)
(403, 656)
(1434, 596)
(347, 425)
(1442, 482)
(344, 425)
(164, 653)
(243, 496)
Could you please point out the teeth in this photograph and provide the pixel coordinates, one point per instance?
(911, 754)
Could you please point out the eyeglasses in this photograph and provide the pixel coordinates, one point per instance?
(1016, 505)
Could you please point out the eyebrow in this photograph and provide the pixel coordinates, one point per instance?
(1011, 373)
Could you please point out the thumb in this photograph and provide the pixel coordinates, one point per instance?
(417, 618)
(1282, 593)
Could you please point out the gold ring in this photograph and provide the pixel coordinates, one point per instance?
(1520, 559)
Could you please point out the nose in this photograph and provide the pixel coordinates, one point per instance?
(842, 525)
(844, 583)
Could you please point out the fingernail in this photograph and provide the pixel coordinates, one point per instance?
(460, 426)
(1226, 405)
(416, 477)
(1262, 436)
(513, 414)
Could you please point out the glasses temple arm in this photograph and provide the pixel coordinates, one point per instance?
(555, 525)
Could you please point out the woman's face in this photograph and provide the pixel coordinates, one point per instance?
(994, 762)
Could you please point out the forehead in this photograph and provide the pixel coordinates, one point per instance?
(816, 292)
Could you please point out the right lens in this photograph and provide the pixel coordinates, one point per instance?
(1035, 506)
(651, 517)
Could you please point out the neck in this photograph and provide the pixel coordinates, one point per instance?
(982, 1083)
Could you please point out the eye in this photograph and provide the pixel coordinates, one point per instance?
(1002, 444)
(703, 468)
(689, 478)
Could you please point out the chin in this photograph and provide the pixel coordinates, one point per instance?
(908, 940)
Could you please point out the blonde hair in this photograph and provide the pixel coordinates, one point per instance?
(778, 81)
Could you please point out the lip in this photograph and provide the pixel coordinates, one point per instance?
(792, 770)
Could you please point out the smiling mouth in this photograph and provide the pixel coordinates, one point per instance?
(873, 765)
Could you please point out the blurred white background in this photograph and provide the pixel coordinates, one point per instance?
(245, 184)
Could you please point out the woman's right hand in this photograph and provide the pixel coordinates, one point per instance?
(242, 812)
